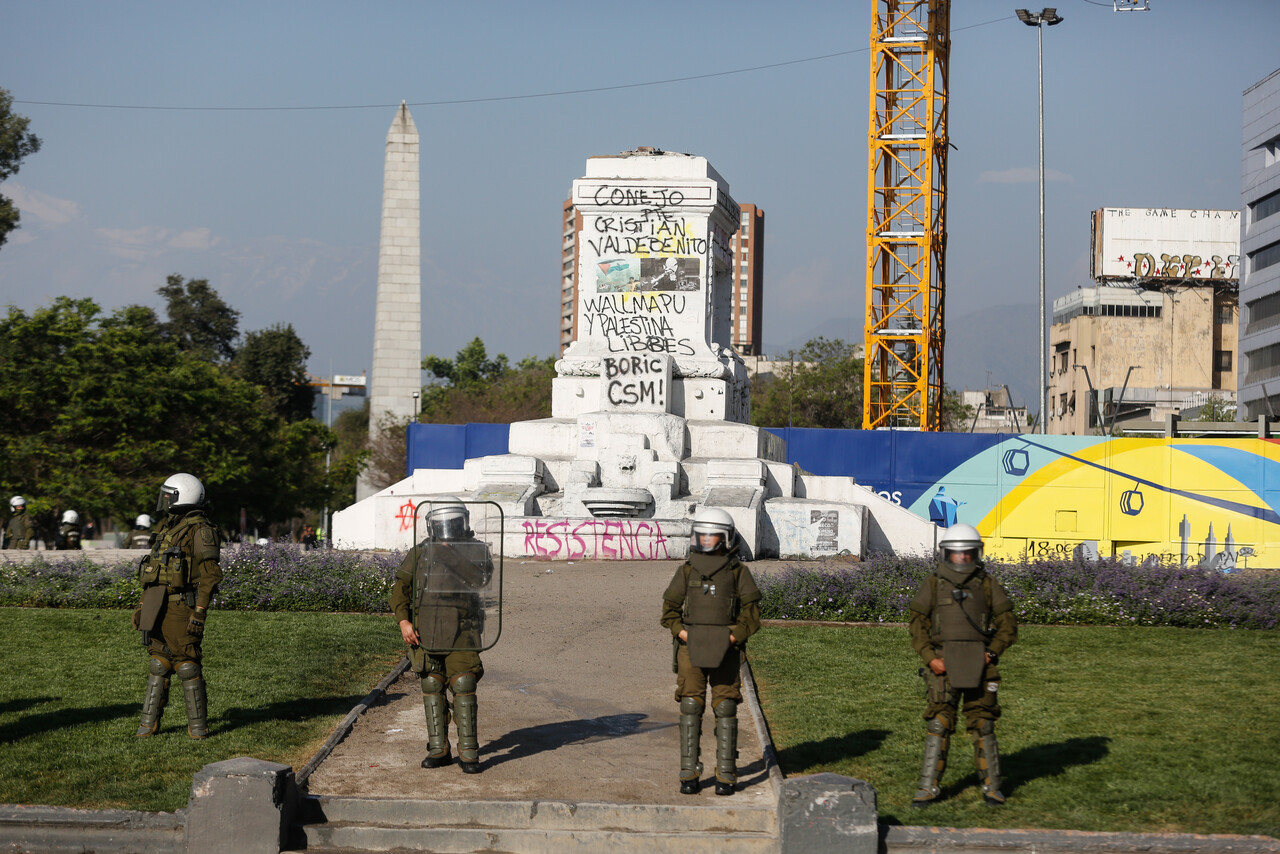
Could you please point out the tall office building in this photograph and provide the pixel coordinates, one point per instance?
(748, 282)
(1260, 251)
(571, 232)
(748, 278)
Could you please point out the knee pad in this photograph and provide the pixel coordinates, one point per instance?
(160, 667)
(188, 670)
(727, 709)
(463, 683)
(691, 706)
(432, 684)
(987, 728)
(938, 726)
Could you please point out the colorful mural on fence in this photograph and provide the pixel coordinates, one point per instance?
(1197, 501)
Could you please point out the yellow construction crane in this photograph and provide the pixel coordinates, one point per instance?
(906, 214)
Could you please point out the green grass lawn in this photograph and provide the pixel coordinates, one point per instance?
(72, 692)
(1121, 729)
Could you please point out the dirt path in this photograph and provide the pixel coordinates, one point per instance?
(577, 703)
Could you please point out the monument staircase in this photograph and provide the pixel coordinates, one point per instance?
(336, 825)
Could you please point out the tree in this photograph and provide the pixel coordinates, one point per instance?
(16, 142)
(474, 387)
(820, 385)
(956, 414)
(100, 410)
(199, 322)
(275, 360)
(1216, 408)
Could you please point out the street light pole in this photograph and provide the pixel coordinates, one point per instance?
(1048, 16)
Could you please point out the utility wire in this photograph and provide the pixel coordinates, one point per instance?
(490, 99)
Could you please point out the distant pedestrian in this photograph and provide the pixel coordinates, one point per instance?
(140, 536)
(711, 607)
(961, 623)
(69, 535)
(20, 532)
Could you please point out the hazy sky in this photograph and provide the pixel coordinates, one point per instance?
(267, 181)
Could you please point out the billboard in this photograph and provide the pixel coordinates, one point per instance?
(1165, 244)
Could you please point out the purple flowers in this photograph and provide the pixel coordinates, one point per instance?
(254, 578)
(1063, 592)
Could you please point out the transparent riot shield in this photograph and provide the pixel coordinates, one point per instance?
(457, 580)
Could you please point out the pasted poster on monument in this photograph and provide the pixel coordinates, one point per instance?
(826, 528)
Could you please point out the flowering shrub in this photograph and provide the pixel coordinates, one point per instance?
(281, 578)
(254, 578)
(1062, 592)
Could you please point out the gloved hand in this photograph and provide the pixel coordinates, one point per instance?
(195, 624)
(137, 619)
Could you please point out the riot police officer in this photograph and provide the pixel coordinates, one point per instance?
(140, 536)
(178, 579)
(711, 607)
(438, 601)
(69, 532)
(961, 623)
(20, 530)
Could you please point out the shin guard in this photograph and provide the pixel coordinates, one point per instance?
(193, 691)
(690, 747)
(936, 742)
(726, 746)
(155, 698)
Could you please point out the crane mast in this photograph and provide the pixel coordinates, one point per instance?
(906, 214)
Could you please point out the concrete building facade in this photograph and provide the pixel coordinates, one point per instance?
(748, 282)
(571, 233)
(1122, 352)
(1259, 369)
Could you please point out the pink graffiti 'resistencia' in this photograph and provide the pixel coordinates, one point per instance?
(614, 539)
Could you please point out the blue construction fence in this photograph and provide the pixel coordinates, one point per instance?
(900, 465)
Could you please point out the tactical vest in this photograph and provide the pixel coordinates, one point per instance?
(710, 600)
(170, 559)
(960, 611)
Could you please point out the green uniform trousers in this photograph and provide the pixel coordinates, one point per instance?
(725, 679)
(423, 661)
(173, 642)
(980, 703)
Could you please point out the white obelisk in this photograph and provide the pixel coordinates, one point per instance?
(397, 331)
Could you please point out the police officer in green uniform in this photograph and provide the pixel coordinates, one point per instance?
(69, 532)
(711, 607)
(437, 601)
(20, 530)
(178, 579)
(961, 623)
(140, 536)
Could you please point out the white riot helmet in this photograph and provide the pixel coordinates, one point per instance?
(71, 517)
(715, 522)
(448, 519)
(181, 492)
(142, 522)
(17, 503)
(960, 538)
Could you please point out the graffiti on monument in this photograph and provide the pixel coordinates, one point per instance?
(595, 539)
(637, 323)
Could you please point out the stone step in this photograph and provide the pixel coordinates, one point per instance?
(369, 824)
(336, 838)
